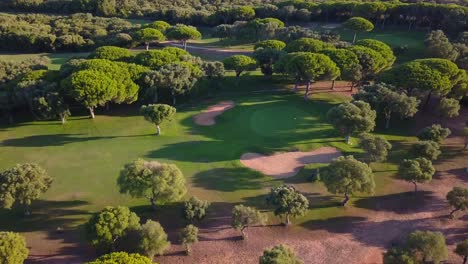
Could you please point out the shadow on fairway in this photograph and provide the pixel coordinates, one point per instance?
(54, 140)
(401, 203)
(228, 179)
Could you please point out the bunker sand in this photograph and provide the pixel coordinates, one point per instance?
(208, 117)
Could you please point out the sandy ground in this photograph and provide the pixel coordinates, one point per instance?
(287, 164)
(208, 117)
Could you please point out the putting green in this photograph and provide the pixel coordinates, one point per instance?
(275, 121)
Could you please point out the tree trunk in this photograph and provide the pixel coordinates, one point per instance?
(173, 98)
(415, 186)
(346, 199)
(348, 139)
(155, 97)
(352, 86)
(244, 235)
(296, 85)
(158, 129)
(428, 99)
(333, 84)
(153, 202)
(147, 46)
(288, 221)
(91, 112)
(452, 212)
(27, 212)
(387, 123)
(306, 96)
(188, 250)
(184, 42)
(388, 115)
(465, 259)
(62, 117)
(354, 38)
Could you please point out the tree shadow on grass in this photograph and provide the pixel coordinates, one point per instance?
(45, 215)
(228, 179)
(54, 140)
(401, 203)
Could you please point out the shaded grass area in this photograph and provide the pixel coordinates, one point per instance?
(56, 59)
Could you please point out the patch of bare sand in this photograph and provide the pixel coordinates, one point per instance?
(287, 164)
(207, 117)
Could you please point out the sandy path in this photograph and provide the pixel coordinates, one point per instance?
(207, 117)
(283, 165)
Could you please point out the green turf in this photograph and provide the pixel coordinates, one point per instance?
(56, 59)
(85, 156)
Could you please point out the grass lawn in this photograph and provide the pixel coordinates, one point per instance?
(85, 156)
(56, 59)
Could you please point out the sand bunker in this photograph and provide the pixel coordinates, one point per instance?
(283, 165)
(207, 117)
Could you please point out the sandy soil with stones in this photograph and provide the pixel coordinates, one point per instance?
(208, 117)
(287, 164)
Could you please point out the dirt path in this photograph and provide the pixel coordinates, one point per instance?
(287, 164)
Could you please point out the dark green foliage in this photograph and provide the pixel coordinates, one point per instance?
(270, 44)
(239, 64)
(280, 254)
(352, 118)
(156, 58)
(183, 33)
(388, 102)
(346, 175)
(195, 209)
(213, 69)
(462, 250)
(347, 61)
(121, 258)
(439, 46)
(382, 48)
(429, 246)
(157, 182)
(307, 45)
(435, 133)
(288, 202)
(426, 149)
(160, 25)
(265, 58)
(189, 236)
(419, 170)
(376, 147)
(23, 184)
(358, 24)
(148, 35)
(398, 256)
(105, 228)
(13, 248)
(111, 53)
(458, 199)
(371, 61)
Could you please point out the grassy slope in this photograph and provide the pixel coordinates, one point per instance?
(85, 156)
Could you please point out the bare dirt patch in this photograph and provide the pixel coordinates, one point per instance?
(283, 165)
(208, 117)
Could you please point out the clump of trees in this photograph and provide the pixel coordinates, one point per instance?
(157, 182)
(22, 184)
(435, 133)
(118, 229)
(12, 248)
(279, 254)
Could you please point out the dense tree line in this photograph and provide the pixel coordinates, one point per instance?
(78, 32)
(211, 12)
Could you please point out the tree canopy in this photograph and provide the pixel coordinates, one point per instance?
(279, 254)
(419, 170)
(189, 236)
(448, 107)
(376, 147)
(105, 228)
(462, 250)
(183, 33)
(239, 64)
(435, 133)
(388, 102)
(111, 53)
(13, 248)
(439, 46)
(153, 239)
(160, 25)
(270, 44)
(22, 184)
(346, 175)
(352, 118)
(430, 245)
(379, 46)
(121, 258)
(245, 216)
(371, 61)
(458, 199)
(358, 24)
(148, 35)
(158, 182)
(347, 61)
(195, 209)
(288, 202)
(157, 114)
(307, 45)
(426, 149)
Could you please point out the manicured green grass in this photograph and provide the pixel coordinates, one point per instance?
(56, 59)
(85, 156)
